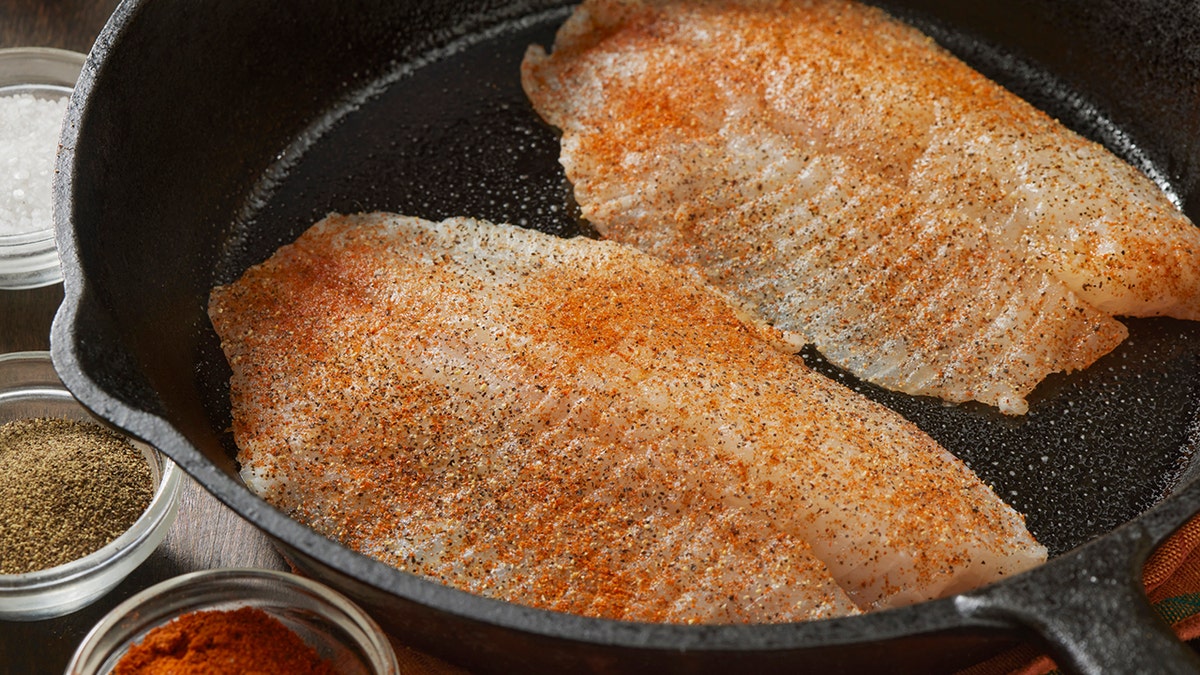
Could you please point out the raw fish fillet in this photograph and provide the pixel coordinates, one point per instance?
(843, 177)
(576, 425)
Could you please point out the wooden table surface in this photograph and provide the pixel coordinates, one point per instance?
(205, 534)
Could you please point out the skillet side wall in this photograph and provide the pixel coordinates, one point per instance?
(193, 104)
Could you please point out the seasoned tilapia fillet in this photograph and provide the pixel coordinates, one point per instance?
(579, 426)
(845, 178)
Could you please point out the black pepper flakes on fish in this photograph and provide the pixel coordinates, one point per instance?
(593, 463)
(844, 177)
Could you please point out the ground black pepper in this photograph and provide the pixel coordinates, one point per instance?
(67, 488)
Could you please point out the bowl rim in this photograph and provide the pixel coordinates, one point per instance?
(51, 53)
(27, 237)
(167, 492)
(373, 641)
(28, 55)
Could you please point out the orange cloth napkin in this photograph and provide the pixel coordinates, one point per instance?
(1171, 576)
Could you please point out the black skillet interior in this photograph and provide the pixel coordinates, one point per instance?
(214, 135)
(458, 137)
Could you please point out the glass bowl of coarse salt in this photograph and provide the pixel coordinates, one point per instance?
(81, 506)
(35, 86)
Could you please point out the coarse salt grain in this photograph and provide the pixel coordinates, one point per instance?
(29, 128)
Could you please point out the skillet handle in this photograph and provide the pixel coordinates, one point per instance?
(1091, 610)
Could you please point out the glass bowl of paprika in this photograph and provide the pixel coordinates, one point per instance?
(81, 506)
(236, 621)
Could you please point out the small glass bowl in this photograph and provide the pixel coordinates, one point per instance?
(30, 388)
(337, 628)
(30, 259)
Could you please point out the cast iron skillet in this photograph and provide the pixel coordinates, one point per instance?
(202, 136)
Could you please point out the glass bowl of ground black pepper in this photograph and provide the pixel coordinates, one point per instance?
(236, 621)
(35, 85)
(81, 506)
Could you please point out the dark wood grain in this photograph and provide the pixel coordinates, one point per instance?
(205, 534)
(65, 24)
(26, 316)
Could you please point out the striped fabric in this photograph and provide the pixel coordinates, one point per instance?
(1172, 580)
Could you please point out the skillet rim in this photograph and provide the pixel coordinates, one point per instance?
(73, 360)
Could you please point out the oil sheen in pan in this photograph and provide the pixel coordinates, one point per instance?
(454, 135)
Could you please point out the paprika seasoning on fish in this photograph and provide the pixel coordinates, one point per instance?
(219, 642)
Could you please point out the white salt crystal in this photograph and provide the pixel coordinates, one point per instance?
(29, 128)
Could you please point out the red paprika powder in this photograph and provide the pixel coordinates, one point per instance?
(215, 642)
